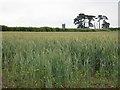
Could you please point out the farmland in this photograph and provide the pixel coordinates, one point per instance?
(59, 59)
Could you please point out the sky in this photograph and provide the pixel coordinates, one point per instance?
(53, 13)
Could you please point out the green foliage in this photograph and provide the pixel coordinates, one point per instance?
(60, 60)
(49, 29)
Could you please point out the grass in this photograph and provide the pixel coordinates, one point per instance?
(60, 59)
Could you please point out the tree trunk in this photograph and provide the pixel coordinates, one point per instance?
(94, 26)
(99, 24)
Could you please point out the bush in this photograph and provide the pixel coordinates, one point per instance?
(49, 29)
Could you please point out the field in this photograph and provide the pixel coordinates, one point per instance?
(60, 59)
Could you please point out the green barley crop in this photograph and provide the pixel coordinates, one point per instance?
(59, 60)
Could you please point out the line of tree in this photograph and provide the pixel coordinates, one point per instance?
(80, 21)
(50, 29)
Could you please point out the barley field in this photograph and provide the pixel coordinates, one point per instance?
(59, 59)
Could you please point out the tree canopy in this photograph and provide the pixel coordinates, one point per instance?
(80, 21)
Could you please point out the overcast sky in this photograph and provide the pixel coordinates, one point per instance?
(53, 13)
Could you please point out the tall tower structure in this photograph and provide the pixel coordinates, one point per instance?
(63, 26)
